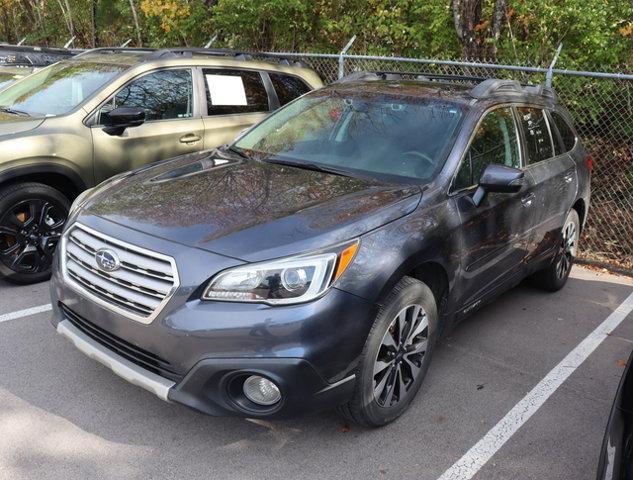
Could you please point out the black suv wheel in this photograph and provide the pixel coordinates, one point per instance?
(32, 216)
(555, 276)
(396, 356)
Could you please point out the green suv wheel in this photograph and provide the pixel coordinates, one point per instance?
(32, 216)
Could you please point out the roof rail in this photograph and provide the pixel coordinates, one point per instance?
(32, 56)
(220, 52)
(495, 86)
(190, 51)
(484, 87)
(421, 76)
(110, 50)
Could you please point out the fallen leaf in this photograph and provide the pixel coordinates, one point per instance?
(621, 363)
(345, 428)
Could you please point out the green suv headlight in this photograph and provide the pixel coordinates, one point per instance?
(281, 282)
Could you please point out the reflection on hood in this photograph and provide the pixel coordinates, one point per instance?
(238, 207)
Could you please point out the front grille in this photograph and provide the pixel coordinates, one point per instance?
(139, 288)
(142, 358)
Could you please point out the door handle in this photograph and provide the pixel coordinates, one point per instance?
(527, 200)
(190, 138)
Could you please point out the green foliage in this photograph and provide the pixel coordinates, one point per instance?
(596, 33)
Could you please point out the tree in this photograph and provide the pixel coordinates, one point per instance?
(478, 36)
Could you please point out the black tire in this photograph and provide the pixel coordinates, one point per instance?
(32, 216)
(555, 276)
(371, 409)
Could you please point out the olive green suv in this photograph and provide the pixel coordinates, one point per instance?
(80, 121)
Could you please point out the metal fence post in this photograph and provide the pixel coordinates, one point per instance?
(70, 42)
(210, 42)
(550, 71)
(341, 57)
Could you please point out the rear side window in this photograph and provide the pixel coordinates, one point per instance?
(288, 88)
(566, 133)
(538, 141)
(495, 142)
(235, 91)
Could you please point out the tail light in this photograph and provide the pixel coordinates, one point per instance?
(589, 163)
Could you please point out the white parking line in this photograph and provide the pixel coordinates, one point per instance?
(466, 467)
(5, 317)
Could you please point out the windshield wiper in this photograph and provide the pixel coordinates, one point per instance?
(237, 151)
(13, 111)
(317, 167)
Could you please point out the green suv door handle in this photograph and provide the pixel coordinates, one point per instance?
(190, 139)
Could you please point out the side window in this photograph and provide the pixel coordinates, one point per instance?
(164, 95)
(234, 91)
(288, 88)
(566, 133)
(495, 142)
(538, 141)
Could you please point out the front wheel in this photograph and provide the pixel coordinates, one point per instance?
(396, 355)
(32, 216)
(554, 277)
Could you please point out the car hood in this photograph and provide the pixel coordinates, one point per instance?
(246, 209)
(13, 124)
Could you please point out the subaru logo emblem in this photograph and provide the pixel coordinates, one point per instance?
(107, 260)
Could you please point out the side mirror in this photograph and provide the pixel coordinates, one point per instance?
(498, 179)
(124, 117)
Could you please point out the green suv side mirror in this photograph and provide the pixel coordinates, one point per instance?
(122, 118)
(499, 179)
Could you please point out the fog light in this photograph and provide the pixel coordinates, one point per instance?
(261, 391)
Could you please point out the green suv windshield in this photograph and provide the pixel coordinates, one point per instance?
(57, 89)
(367, 133)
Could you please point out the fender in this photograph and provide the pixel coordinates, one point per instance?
(43, 168)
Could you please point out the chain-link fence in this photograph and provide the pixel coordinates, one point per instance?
(602, 107)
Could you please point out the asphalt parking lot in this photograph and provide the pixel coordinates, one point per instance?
(63, 415)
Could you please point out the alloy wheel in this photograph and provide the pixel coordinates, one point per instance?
(400, 356)
(567, 249)
(29, 233)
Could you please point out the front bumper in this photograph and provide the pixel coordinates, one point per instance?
(193, 351)
(206, 387)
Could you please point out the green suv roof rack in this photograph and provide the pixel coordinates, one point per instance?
(188, 52)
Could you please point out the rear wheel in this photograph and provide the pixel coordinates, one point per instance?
(32, 216)
(395, 357)
(554, 277)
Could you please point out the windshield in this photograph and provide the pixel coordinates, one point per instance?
(9, 74)
(375, 134)
(57, 89)
(6, 79)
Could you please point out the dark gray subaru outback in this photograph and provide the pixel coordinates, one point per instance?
(314, 262)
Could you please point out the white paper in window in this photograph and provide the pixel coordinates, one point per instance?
(226, 90)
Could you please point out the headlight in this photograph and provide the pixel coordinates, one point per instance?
(79, 201)
(281, 282)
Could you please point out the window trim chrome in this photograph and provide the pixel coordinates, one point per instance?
(109, 306)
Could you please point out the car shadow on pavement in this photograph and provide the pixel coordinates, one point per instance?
(62, 412)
